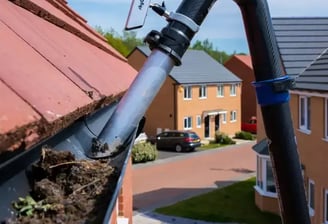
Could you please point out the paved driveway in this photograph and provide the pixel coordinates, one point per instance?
(167, 181)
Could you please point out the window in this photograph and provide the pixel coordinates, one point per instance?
(220, 92)
(265, 184)
(326, 207)
(187, 92)
(198, 121)
(305, 113)
(326, 118)
(233, 90)
(311, 197)
(224, 118)
(233, 116)
(202, 92)
(187, 123)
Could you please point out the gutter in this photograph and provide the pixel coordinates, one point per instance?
(77, 139)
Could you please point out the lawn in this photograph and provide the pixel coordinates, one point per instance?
(211, 145)
(234, 203)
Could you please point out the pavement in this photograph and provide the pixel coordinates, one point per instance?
(167, 181)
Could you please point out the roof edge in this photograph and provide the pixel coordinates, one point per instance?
(26, 136)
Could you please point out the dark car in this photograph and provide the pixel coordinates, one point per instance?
(177, 140)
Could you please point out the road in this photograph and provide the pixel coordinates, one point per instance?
(166, 181)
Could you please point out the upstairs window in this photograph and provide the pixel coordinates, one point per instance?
(305, 113)
(187, 93)
(220, 91)
(202, 91)
(233, 89)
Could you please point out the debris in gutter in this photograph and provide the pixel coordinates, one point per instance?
(66, 190)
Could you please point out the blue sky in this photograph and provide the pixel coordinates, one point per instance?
(223, 25)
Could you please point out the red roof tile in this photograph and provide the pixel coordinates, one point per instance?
(13, 114)
(54, 76)
(57, 16)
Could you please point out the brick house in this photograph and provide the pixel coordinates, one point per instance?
(241, 66)
(303, 44)
(200, 95)
(51, 96)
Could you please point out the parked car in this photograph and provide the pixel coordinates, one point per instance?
(250, 126)
(177, 140)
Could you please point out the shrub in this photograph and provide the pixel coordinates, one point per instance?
(244, 135)
(144, 152)
(223, 138)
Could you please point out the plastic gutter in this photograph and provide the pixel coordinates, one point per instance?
(76, 138)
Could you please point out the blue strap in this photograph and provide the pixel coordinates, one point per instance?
(268, 95)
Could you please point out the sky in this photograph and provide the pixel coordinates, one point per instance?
(223, 26)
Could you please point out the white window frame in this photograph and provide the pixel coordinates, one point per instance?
(311, 209)
(202, 92)
(233, 116)
(233, 90)
(220, 90)
(306, 126)
(325, 215)
(261, 170)
(187, 123)
(326, 119)
(198, 121)
(187, 92)
(224, 118)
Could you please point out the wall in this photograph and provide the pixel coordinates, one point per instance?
(248, 96)
(197, 106)
(267, 204)
(313, 151)
(124, 206)
(160, 113)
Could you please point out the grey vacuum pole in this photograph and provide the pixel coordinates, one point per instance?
(168, 46)
(273, 96)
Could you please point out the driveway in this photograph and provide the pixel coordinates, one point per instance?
(166, 181)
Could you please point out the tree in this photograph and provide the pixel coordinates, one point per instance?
(123, 44)
(207, 46)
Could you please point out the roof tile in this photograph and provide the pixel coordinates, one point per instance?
(36, 80)
(51, 76)
(14, 111)
(300, 41)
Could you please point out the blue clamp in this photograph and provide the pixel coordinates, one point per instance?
(273, 91)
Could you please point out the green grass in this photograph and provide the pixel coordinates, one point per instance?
(211, 145)
(234, 203)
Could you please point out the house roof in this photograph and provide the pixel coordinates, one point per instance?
(245, 59)
(54, 69)
(198, 67)
(300, 40)
(315, 77)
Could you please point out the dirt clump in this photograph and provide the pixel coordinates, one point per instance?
(65, 190)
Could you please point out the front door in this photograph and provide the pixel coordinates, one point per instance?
(207, 127)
